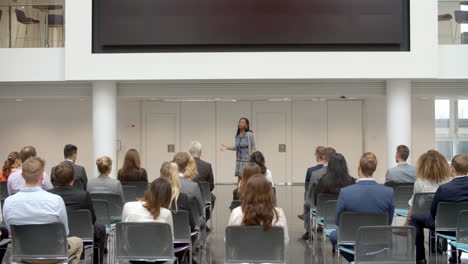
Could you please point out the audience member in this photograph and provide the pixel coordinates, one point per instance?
(366, 196)
(315, 176)
(70, 152)
(33, 206)
(180, 201)
(432, 171)
(187, 186)
(103, 183)
(76, 199)
(258, 207)
(337, 177)
(16, 181)
(258, 158)
(153, 207)
(132, 170)
(403, 172)
(12, 163)
(249, 170)
(454, 191)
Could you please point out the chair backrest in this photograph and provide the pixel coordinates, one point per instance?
(80, 224)
(350, 222)
(130, 193)
(402, 195)
(310, 199)
(147, 241)
(422, 202)
(195, 210)
(235, 204)
(322, 199)
(20, 15)
(180, 219)
(462, 227)
(205, 191)
(461, 16)
(3, 190)
(48, 241)
(252, 244)
(78, 185)
(329, 217)
(101, 209)
(395, 185)
(141, 187)
(115, 204)
(447, 215)
(385, 244)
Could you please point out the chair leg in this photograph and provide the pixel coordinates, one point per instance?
(451, 30)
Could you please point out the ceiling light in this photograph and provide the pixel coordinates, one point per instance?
(19, 100)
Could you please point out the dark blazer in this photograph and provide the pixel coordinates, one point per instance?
(235, 194)
(453, 191)
(205, 172)
(75, 199)
(365, 196)
(183, 204)
(80, 175)
(139, 175)
(310, 170)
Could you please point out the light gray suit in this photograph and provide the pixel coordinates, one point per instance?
(402, 173)
(314, 179)
(192, 190)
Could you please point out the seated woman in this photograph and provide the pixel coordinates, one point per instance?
(180, 201)
(103, 183)
(131, 170)
(258, 207)
(337, 177)
(259, 159)
(249, 170)
(153, 207)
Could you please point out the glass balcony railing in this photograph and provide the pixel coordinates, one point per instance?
(453, 22)
(31, 24)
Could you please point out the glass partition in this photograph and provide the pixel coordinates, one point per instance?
(31, 23)
(453, 21)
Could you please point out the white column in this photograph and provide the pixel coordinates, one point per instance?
(398, 117)
(105, 122)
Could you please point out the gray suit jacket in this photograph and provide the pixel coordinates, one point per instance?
(192, 190)
(80, 175)
(402, 173)
(205, 172)
(314, 179)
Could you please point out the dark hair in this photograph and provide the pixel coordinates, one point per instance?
(158, 194)
(328, 153)
(337, 175)
(131, 162)
(248, 125)
(403, 152)
(181, 159)
(249, 170)
(259, 159)
(460, 164)
(64, 173)
(258, 204)
(27, 152)
(69, 150)
(12, 157)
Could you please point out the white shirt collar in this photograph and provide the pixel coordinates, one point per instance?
(460, 176)
(69, 160)
(366, 179)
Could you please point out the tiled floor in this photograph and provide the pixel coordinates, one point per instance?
(290, 199)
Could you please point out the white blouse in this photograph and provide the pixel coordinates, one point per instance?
(237, 216)
(422, 185)
(135, 212)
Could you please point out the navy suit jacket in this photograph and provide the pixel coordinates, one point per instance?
(453, 191)
(365, 197)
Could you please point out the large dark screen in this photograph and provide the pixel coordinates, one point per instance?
(191, 25)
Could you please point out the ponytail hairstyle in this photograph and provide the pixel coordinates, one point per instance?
(170, 172)
(9, 162)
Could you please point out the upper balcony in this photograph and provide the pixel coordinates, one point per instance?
(31, 23)
(453, 22)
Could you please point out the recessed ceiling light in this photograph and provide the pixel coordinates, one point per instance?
(19, 100)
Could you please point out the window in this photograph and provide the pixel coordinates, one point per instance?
(451, 127)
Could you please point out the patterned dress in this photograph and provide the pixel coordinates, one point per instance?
(243, 148)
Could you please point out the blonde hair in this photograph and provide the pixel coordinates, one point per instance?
(33, 168)
(433, 166)
(170, 172)
(368, 163)
(104, 164)
(192, 171)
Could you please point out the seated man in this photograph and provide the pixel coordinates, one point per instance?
(366, 196)
(454, 191)
(403, 172)
(76, 199)
(70, 154)
(34, 206)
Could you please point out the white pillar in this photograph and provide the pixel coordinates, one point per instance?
(398, 117)
(105, 122)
